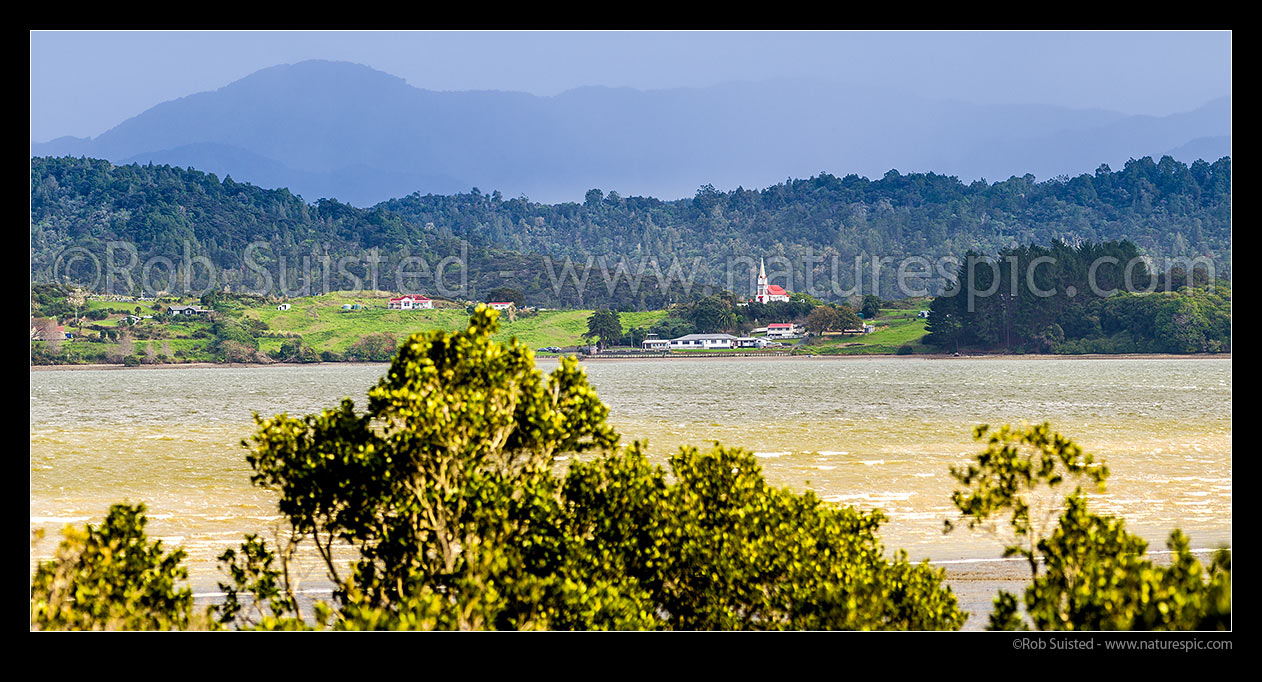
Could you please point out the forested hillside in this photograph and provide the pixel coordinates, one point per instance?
(1096, 298)
(1164, 207)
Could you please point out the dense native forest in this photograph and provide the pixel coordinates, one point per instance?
(587, 254)
(1095, 298)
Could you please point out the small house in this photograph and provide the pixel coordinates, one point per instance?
(411, 302)
(283, 306)
(924, 314)
(703, 341)
(186, 310)
(785, 330)
(501, 305)
(652, 342)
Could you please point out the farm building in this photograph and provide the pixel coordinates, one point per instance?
(411, 302)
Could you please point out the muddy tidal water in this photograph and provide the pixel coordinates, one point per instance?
(870, 432)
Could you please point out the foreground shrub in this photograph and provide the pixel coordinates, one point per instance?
(1087, 572)
(717, 548)
(446, 491)
(110, 577)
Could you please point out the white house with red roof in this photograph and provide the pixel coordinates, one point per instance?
(784, 330)
(501, 305)
(411, 302)
(768, 293)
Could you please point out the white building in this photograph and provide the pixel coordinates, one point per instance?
(411, 302)
(783, 330)
(501, 305)
(283, 306)
(768, 293)
(652, 342)
(703, 341)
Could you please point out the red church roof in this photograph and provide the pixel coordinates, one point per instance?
(776, 290)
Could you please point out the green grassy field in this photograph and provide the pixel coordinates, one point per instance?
(325, 326)
(322, 324)
(894, 328)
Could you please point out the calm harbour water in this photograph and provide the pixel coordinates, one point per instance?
(871, 432)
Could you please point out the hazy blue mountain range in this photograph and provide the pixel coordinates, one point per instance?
(346, 131)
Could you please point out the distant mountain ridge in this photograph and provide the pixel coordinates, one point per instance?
(346, 131)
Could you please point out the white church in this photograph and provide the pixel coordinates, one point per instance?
(768, 293)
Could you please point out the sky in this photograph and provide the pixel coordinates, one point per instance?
(84, 83)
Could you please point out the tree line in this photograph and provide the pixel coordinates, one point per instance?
(1092, 298)
(584, 254)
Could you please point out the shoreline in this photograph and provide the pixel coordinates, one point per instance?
(929, 356)
(867, 356)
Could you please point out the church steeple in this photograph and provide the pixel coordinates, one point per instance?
(767, 293)
(761, 292)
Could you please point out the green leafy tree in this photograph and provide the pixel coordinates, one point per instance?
(828, 318)
(635, 337)
(444, 490)
(438, 486)
(846, 319)
(294, 350)
(377, 347)
(605, 326)
(1088, 572)
(715, 547)
(822, 319)
(871, 307)
(712, 314)
(111, 577)
(671, 327)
